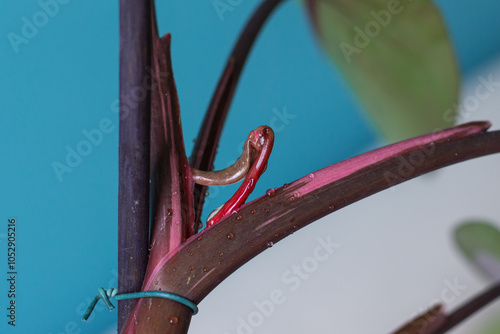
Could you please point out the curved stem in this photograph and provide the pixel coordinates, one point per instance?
(262, 140)
(202, 262)
(231, 174)
(272, 217)
(435, 321)
(204, 150)
(470, 308)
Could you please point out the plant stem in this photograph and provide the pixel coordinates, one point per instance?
(426, 323)
(436, 321)
(470, 308)
(263, 222)
(206, 259)
(204, 150)
(171, 193)
(133, 192)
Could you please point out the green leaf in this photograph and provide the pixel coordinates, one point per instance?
(493, 326)
(480, 243)
(397, 57)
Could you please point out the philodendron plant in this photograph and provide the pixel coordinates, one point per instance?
(409, 62)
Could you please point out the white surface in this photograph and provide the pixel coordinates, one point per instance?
(396, 255)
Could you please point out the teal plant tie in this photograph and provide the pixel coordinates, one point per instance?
(105, 295)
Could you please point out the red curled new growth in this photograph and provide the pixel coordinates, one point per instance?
(262, 143)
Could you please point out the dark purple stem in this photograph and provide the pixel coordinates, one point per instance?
(470, 308)
(436, 321)
(133, 191)
(426, 323)
(204, 150)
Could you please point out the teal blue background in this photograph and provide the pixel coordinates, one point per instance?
(65, 80)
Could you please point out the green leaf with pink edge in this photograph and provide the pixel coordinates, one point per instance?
(397, 57)
(480, 243)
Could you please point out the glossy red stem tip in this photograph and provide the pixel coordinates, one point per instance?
(262, 143)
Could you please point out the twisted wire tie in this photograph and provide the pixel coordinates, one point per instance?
(105, 295)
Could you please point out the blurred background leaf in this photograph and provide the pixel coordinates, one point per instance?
(492, 328)
(396, 56)
(480, 243)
